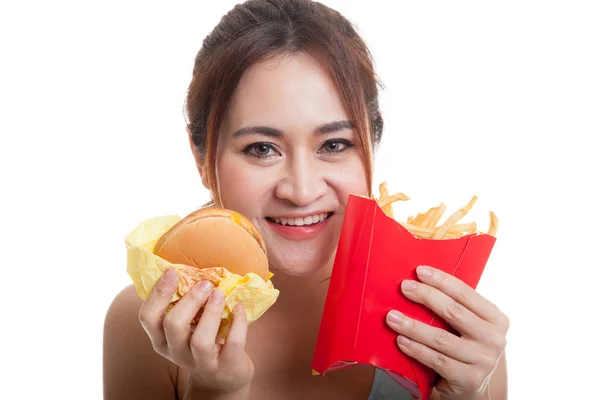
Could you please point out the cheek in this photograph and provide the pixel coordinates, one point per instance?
(350, 178)
(239, 186)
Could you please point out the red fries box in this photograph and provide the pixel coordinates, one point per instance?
(375, 254)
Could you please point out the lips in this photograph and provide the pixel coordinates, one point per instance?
(317, 224)
(301, 221)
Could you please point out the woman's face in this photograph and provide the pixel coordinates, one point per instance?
(288, 158)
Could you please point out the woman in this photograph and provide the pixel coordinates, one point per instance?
(283, 119)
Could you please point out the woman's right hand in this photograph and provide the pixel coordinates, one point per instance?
(215, 368)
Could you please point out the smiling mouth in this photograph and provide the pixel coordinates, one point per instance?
(301, 221)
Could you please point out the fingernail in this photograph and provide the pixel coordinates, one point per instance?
(424, 271)
(217, 297)
(170, 276)
(403, 340)
(395, 317)
(204, 286)
(409, 285)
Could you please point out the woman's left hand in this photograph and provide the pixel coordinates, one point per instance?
(465, 362)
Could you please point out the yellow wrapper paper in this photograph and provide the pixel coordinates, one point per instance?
(145, 269)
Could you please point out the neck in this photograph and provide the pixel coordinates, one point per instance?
(305, 292)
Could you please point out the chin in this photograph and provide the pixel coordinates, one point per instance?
(302, 262)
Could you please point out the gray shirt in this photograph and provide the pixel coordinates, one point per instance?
(385, 388)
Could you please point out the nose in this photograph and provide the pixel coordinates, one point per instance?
(303, 182)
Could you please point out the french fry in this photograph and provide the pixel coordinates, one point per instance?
(383, 193)
(425, 225)
(450, 235)
(493, 224)
(454, 218)
(428, 232)
(428, 216)
(390, 199)
(418, 220)
(437, 216)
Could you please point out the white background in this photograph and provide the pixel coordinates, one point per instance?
(498, 99)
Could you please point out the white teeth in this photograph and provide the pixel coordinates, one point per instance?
(310, 220)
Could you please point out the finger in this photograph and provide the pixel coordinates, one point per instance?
(433, 337)
(177, 323)
(153, 309)
(447, 367)
(463, 294)
(235, 344)
(203, 343)
(458, 316)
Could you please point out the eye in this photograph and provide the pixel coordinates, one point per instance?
(336, 146)
(260, 150)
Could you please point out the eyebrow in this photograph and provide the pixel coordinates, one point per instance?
(320, 130)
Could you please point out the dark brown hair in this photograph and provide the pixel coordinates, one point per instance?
(258, 29)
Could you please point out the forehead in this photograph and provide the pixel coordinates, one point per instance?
(287, 92)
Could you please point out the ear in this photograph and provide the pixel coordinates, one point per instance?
(198, 159)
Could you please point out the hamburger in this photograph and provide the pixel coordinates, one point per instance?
(214, 244)
(216, 238)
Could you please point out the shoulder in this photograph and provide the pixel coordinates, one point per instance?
(121, 320)
(131, 367)
(126, 300)
(122, 314)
